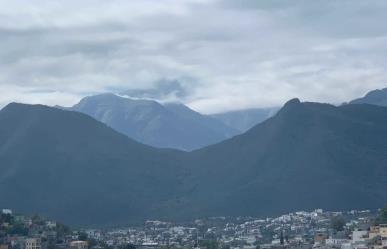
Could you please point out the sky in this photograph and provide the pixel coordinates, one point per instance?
(213, 55)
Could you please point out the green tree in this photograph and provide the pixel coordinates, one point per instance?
(18, 229)
(282, 237)
(129, 246)
(62, 230)
(92, 242)
(36, 219)
(209, 244)
(82, 236)
(6, 218)
(382, 216)
(337, 223)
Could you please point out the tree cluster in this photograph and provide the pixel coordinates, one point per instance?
(382, 217)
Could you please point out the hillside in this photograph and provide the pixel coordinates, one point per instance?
(243, 120)
(68, 166)
(307, 156)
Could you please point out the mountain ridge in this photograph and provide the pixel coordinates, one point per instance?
(69, 166)
(375, 97)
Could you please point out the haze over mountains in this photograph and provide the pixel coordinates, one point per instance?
(149, 122)
(71, 167)
(243, 120)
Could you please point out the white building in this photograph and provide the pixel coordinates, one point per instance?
(359, 236)
(336, 242)
(78, 244)
(33, 243)
(51, 224)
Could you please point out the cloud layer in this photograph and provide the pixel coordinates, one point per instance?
(224, 54)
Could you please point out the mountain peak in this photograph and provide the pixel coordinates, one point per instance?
(111, 99)
(20, 106)
(15, 104)
(11, 105)
(294, 101)
(292, 104)
(103, 96)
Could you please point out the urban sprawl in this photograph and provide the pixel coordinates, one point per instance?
(316, 229)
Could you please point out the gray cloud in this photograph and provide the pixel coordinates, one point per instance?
(212, 55)
(165, 90)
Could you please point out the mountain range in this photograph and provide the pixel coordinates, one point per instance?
(70, 167)
(149, 122)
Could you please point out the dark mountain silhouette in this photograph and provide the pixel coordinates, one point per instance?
(69, 166)
(170, 126)
(309, 155)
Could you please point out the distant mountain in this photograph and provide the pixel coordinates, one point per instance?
(68, 166)
(170, 126)
(243, 120)
(71, 167)
(376, 97)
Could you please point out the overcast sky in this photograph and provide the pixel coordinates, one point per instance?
(219, 54)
